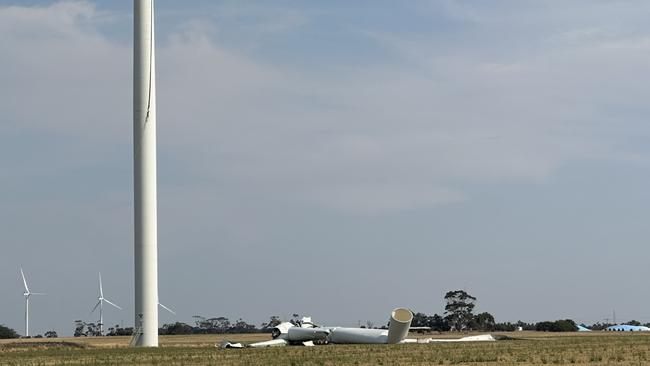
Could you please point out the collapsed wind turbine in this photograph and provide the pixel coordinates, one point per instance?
(27, 295)
(100, 302)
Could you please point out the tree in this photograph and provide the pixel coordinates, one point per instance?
(435, 322)
(176, 328)
(79, 328)
(219, 324)
(92, 330)
(7, 333)
(119, 331)
(511, 327)
(459, 309)
(274, 321)
(51, 334)
(420, 320)
(505, 327)
(484, 322)
(199, 321)
(439, 324)
(241, 326)
(633, 322)
(566, 325)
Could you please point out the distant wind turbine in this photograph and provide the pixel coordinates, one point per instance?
(27, 295)
(100, 302)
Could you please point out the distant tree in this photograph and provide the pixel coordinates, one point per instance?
(420, 320)
(199, 321)
(219, 324)
(439, 324)
(511, 327)
(505, 327)
(566, 325)
(600, 326)
(484, 322)
(128, 331)
(119, 331)
(633, 322)
(459, 309)
(51, 334)
(176, 328)
(435, 322)
(241, 326)
(7, 333)
(38, 336)
(273, 322)
(92, 330)
(525, 326)
(79, 328)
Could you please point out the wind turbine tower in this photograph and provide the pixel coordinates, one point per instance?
(27, 295)
(144, 176)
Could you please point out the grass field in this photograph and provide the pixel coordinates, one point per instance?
(526, 348)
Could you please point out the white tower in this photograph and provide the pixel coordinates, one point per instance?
(144, 176)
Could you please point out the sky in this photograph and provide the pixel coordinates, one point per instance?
(333, 159)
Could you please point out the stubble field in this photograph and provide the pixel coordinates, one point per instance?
(524, 348)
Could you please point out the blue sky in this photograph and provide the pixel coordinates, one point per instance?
(496, 147)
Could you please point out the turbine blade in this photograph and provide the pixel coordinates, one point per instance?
(166, 308)
(101, 290)
(112, 304)
(37, 293)
(24, 281)
(95, 308)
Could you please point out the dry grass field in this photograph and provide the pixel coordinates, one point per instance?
(524, 348)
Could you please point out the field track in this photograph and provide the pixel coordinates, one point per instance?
(524, 348)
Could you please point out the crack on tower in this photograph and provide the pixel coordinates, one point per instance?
(151, 48)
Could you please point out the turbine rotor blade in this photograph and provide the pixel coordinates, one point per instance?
(24, 281)
(101, 290)
(37, 293)
(112, 304)
(166, 308)
(95, 308)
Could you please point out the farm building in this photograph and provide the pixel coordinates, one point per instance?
(627, 328)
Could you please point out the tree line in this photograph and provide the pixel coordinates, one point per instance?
(8, 333)
(202, 325)
(458, 316)
(220, 325)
